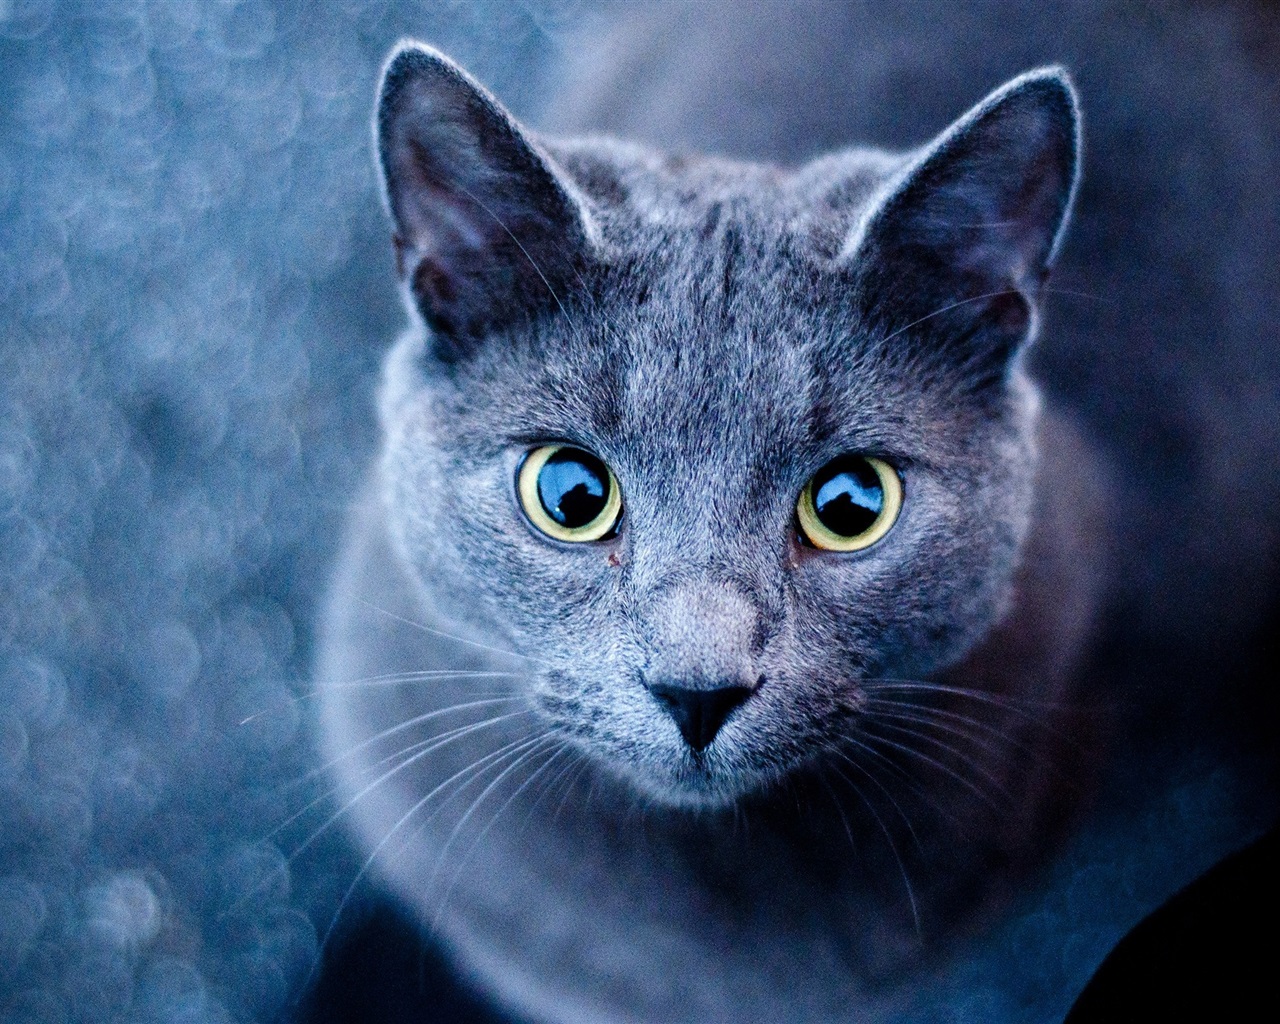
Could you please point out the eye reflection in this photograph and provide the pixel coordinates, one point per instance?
(849, 504)
(569, 494)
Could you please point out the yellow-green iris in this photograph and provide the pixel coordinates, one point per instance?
(568, 493)
(850, 503)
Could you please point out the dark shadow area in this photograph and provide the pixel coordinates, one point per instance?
(1207, 954)
(381, 971)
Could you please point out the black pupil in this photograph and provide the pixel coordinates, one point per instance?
(847, 496)
(573, 487)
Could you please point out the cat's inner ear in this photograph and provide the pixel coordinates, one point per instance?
(960, 243)
(488, 231)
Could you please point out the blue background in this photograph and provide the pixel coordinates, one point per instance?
(196, 284)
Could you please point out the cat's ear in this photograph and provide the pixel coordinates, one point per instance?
(488, 231)
(959, 244)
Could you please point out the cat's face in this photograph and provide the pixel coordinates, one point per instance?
(705, 339)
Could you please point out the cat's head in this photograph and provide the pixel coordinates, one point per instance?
(715, 443)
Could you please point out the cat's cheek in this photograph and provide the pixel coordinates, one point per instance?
(608, 715)
(888, 610)
(474, 557)
(554, 598)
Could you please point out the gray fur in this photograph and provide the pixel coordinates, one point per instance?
(832, 355)
(716, 331)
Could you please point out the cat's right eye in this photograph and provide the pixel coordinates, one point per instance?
(568, 493)
(849, 504)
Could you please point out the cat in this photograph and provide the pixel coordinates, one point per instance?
(729, 622)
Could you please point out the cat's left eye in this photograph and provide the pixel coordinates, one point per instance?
(849, 504)
(568, 493)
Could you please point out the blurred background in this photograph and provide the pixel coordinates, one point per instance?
(196, 285)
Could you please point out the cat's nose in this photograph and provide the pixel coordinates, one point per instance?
(699, 713)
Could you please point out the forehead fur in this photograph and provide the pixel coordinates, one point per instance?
(713, 312)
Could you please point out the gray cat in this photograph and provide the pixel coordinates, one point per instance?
(719, 635)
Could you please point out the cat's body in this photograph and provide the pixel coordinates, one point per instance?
(684, 328)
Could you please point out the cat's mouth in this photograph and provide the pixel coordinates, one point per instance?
(695, 779)
(677, 746)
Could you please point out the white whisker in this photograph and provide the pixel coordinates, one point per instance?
(434, 741)
(457, 872)
(525, 750)
(893, 848)
(368, 863)
(946, 309)
(564, 748)
(520, 245)
(584, 763)
(935, 763)
(888, 796)
(399, 727)
(1018, 706)
(434, 745)
(450, 636)
(844, 818)
(943, 726)
(377, 682)
(569, 766)
(960, 755)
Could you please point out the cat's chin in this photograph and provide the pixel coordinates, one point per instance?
(689, 789)
(681, 779)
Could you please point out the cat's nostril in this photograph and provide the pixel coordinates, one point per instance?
(699, 713)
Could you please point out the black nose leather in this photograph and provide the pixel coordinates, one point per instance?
(699, 713)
